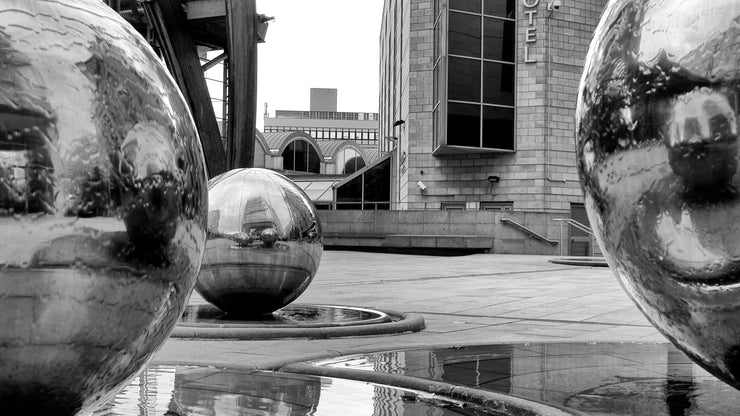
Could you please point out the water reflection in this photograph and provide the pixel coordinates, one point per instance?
(208, 391)
(598, 379)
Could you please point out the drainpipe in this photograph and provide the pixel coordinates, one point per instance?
(548, 74)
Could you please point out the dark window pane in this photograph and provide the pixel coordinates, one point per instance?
(378, 183)
(436, 133)
(463, 125)
(437, 38)
(314, 163)
(464, 79)
(498, 41)
(301, 158)
(435, 85)
(498, 128)
(503, 8)
(465, 5)
(350, 166)
(350, 192)
(498, 83)
(464, 35)
(289, 157)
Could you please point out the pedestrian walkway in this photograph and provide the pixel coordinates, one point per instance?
(475, 299)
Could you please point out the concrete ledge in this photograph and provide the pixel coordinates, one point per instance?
(435, 241)
(440, 241)
(355, 235)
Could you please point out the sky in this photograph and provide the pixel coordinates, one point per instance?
(319, 44)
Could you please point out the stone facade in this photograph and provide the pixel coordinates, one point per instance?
(493, 232)
(540, 175)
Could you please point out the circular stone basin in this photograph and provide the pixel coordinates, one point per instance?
(581, 261)
(187, 390)
(294, 316)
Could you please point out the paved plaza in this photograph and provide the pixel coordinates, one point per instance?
(474, 299)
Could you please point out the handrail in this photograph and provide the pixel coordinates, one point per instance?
(528, 231)
(576, 224)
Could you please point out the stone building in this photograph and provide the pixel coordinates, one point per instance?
(323, 122)
(477, 102)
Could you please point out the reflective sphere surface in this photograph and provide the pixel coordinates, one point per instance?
(102, 205)
(658, 160)
(264, 242)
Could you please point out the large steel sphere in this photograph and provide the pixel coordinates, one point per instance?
(102, 205)
(264, 242)
(657, 131)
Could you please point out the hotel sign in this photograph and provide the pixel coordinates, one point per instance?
(530, 34)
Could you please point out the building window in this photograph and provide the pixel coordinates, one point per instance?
(497, 206)
(353, 165)
(370, 190)
(453, 206)
(349, 161)
(474, 75)
(300, 156)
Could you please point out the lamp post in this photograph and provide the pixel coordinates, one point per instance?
(396, 124)
(394, 140)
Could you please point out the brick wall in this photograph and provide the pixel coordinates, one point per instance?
(526, 178)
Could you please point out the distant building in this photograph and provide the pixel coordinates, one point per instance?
(315, 165)
(323, 99)
(323, 122)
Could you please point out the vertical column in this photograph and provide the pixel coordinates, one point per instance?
(168, 20)
(241, 21)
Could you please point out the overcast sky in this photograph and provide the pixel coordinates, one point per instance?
(320, 44)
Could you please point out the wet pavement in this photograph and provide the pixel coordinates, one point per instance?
(589, 347)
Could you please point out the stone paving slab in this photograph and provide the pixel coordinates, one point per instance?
(481, 298)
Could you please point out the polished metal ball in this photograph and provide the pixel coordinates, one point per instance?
(657, 150)
(264, 242)
(102, 205)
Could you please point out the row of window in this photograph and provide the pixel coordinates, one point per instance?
(484, 206)
(474, 74)
(326, 115)
(362, 135)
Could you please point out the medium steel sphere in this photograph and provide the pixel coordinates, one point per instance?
(264, 242)
(102, 205)
(658, 160)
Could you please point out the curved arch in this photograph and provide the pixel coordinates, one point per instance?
(348, 160)
(277, 142)
(261, 149)
(259, 139)
(331, 148)
(300, 156)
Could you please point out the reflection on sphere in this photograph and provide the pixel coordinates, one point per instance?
(657, 157)
(264, 242)
(102, 205)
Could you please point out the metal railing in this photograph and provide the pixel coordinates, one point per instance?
(579, 226)
(528, 231)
